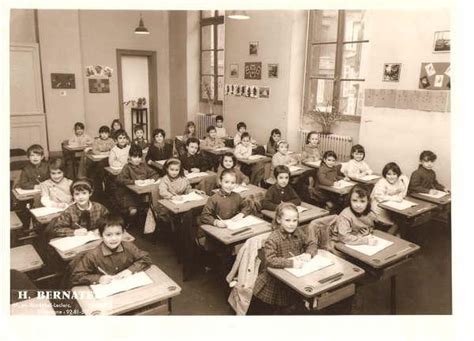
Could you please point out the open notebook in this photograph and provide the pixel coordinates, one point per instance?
(437, 195)
(27, 191)
(371, 250)
(244, 222)
(316, 263)
(147, 182)
(369, 177)
(403, 205)
(255, 157)
(240, 189)
(193, 196)
(68, 243)
(44, 211)
(301, 209)
(196, 175)
(136, 280)
(343, 183)
(161, 162)
(294, 168)
(313, 163)
(99, 156)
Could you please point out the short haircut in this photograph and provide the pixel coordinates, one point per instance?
(228, 171)
(121, 132)
(82, 184)
(281, 142)
(274, 131)
(241, 125)
(189, 124)
(363, 192)
(116, 121)
(391, 166)
(357, 149)
(219, 118)
(174, 161)
(228, 154)
(104, 129)
(36, 149)
(329, 153)
(79, 125)
(208, 130)
(135, 151)
(281, 169)
(192, 140)
(158, 131)
(427, 155)
(279, 212)
(314, 132)
(137, 128)
(244, 135)
(58, 163)
(111, 220)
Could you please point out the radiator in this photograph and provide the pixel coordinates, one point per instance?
(341, 145)
(202, 122)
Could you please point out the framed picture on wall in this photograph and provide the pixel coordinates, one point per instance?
(272, 70)
(63, 81)
(264, 92)
(391, 72)
(253, 70)
(99, 85)
(442, 41)
(234, 70)
(253, 48)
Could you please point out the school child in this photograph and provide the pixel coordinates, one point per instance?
(140, 139)
(174, 184)
(80, 138)
(328, 175)
(228, 161)
(281, 191)
(220, 130)
(244, 148)
(104, 143)
(281, 157)
(115, 126)
(119, 154)
(354, 225)
(241, 128)
(133, 172)
(311, 152)
(212, 141)
(357, 167)
(286, 247)
(36, 171)
(423, 180)
(392, 187)
(83, 216)
(189, 131)
(112, 259)
(56, 191)
(100, 146)
(193, 161)
(275, 137)
(159, 149)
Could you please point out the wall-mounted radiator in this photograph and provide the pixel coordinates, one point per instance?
(341, 145)
(202, 122)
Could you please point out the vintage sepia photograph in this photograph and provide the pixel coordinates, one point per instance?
(155, 185)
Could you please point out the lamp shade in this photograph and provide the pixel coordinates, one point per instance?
(141, 29)
(238, 15)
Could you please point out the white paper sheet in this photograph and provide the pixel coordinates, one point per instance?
(147, 182)
(161, 162)
(301, 209)
(400, 205)
(294, 168)
(240, 189)
(99, 156)
(244, 222)
(68, 243)
(27, 191)
(221, 149)
(437, 195)
(196, 175)
(317, 263)
(136, 280)
(314, 163)
(44, 211)
(255, 157)
(343, 183)
(371, 250)
(193, 196)
(370, 177)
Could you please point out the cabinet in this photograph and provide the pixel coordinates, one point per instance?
(140, 118)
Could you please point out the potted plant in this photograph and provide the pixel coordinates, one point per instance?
(208, 92)
(326, 116)
(138, 103)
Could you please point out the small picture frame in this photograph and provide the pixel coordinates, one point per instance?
(264, 92)
(253, 48)
(234, 70)
(272, 70)
(391, 72)
(442, 42)
(63, 81)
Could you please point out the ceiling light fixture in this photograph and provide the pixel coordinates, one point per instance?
(141, 29)
(238, 15)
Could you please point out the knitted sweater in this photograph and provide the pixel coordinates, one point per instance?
(209, 143)
(54, 193)
(130, 173)
(159, 152)
(310, 154)
(241, 177)
(385, 191)
(194, 161)
(225, 205)
(168, 187)
(32, 175)
(422, 180)
(102, 146)
(327, 176)
(80, 141)
(348, 226)
(242, 152)
(357, 169)
(118, 156)
(276, 195)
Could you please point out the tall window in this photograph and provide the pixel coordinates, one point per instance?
(212, 55)
(333, 72)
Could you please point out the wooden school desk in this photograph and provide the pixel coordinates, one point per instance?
(151, 299)
(97, 157)
(251, 190)
(341, 191)
(256, 160)
(229, 237)
(412, 216)
(15, 222)
(184, 207)
(25, 258)
(326, 286)
(44, 219)
(312, 212)
(143, 189)
(301, 170)
(158, 164)
(386, 263)
(26, 197)
(312, 164)
(367, 182)
(113, 171)
(198, 179)
(33, 306)
(76, 153)
(217, 151)
(74, 148)
(70, 254)
(443, 203)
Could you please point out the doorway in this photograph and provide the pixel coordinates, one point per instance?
(137, 78)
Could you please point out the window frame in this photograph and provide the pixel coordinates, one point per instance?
(210, 21)
(337, 80)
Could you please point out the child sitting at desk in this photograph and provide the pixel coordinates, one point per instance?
(134, 172)
(220, 130)
(193, 161)
(81, 217)
(355, 223)
(104, 143)
(281, 191)
(229, 161)
(244, 148)
(79, 139)
(357, 167)
(100, 146)
(119, 154)
(423, 180)
(311, 152)
(110, 260)
(115, 127)
(36, 171)
(140, 139)
(56, 191)
(286, 247)
(212, 142)
(281, 157)
(243, 151)
(159, 149)
(275, 137)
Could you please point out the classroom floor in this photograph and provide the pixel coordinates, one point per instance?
(423, 288)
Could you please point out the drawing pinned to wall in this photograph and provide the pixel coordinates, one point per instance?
(272, 70)
(99, 71)
(254, 91)
(237, 90)
(435, 76)
(264, 92)
(391, 72)
(227, 89)
(253, 70)
(99, 86)
(442, 41)
(63, 81)
(253, 48)
(234, 70)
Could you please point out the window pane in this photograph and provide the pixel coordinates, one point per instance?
(220, 36)
(351, 57)
(354, 25)
(207, 38)
(207, 60)
(323, 60)
(324, 27)
(320, 94)
(220, 63)
(209, 80)
(220, 88)
(207, 14)
(350, 98)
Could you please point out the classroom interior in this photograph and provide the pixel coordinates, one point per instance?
(381, 57)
